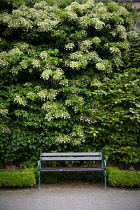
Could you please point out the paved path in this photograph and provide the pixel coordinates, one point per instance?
(72, 196)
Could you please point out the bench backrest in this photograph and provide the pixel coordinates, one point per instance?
(77, 156)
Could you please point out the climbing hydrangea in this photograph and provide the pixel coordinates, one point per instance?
(67, 79)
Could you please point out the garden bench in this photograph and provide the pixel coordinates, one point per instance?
(74, 157)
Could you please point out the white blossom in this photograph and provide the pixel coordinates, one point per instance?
(46, 74)
(100, 66)
(69, 46)
(43, 55)
(57, 74)
(36, 63)
(20, 101)
(3, 112)
(24, 64)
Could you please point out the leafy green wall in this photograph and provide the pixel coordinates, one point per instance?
(68, 81)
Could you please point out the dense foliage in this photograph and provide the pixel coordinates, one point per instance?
(68, 82)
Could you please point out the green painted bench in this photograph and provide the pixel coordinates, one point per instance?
(78, 156)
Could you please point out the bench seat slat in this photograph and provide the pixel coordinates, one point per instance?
(70, 158)
(71, 154)
(71, 169)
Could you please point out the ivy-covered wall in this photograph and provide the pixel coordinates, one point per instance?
(69, 81)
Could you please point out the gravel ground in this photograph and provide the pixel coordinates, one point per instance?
(70, 196)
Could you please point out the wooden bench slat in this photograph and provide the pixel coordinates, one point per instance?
(71, 154)
(70, 158)
(71, 169)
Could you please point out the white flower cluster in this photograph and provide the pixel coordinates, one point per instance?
(23, 17)
(57, 74)
(69, 46)
(23, 9)
(31, 51)
(5, 17)
(22, 46)
(24, 64)
(69, 102)
(36, 63)
(52, 94)
(3, 54)
(72, 15)
(133, 34)
(84, 20)
(43, 55)
(43, 94)
(50, 106)
(4, 129)
(83, 32)
(27, 84)
(90, 3)
(76, 8)
(100, 8)
(85, 119)
(64, 82)
(49, 94)
(85, 45)
(123, 11)
(33, 14)
(46, 74)
(120, 29)
(15, 51)
(100, 66)
(37, 87)
(75, 102)
(41, 5)
(112, 6)
(115, 17)
(105, 17)
(57, 114)
(20, 101)
(96, 40)
(3, 63)
(117, 60)
(70, 11)
(78, 55)
(115, 51)
(93, 56)
(98, 24)
(31, 95)
(46, 25)
(75, 65)
(108, 66)
(3, 112)
(77, 132)
(75, 89)
(20, 22)
(63, 138)
(15, 69)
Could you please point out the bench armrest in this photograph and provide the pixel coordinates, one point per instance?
(104, 164)
(39, 165)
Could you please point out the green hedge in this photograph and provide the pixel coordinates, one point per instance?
(118, 178)
(17, 179)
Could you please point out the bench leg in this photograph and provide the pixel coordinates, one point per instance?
(105, 179)
(39, 181)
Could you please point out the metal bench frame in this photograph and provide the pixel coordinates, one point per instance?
(78, 156)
